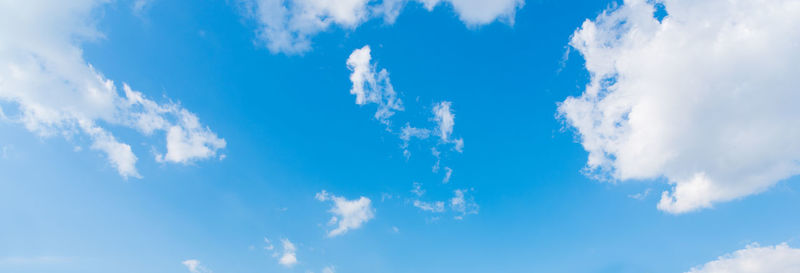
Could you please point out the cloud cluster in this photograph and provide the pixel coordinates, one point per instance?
(287, 257)
(461, 203)
(755, 259)
(288, 26)
(371, 86)
(704, 97)
(52, 89)
(347, 214)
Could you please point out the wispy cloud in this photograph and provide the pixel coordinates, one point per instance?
(44, 75)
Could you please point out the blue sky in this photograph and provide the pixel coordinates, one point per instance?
(697, 164)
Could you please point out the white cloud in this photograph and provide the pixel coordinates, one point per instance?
(417, 189)
(140, 6)
(328, 269)
(268, 244)
(194, 266)
(408, 132)
(755, 259)
(44, 75)
(347, 214)
(435, 206)
(370, 86)
(447, 173)
(463, 204)
(288, 26)
(640, 196)
(704, 98)
(289, 256)
(479, 12)
(445, 121)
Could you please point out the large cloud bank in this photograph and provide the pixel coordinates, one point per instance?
(705, 97)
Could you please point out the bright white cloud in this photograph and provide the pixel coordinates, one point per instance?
(705, 98)
(194, 266)
(328, 269)
(347, 214)
(44, 77)
(288, 26)
(371, 86)
(289, 256)
(755, 259)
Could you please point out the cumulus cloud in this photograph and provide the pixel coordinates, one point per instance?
(347, 214)
(44, 77)
(194, 266)
(704, 97)
(371, 86)
(287, 26)
(755, 259)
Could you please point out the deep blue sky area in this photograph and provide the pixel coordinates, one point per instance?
(292, 130)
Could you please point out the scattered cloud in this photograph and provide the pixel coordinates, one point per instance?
(408, 132)
(755, 259)
(194, 266)
(445, 121)
(289, 256)
(288, 26)
(640, 196)
(328, 269)
(463, 204)
(140, 6)
(371, 86)
(435, 206)
(269, 246)
(447, 173)
(704, 97)
(347, 214)
(417, 189)
(44, 75)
